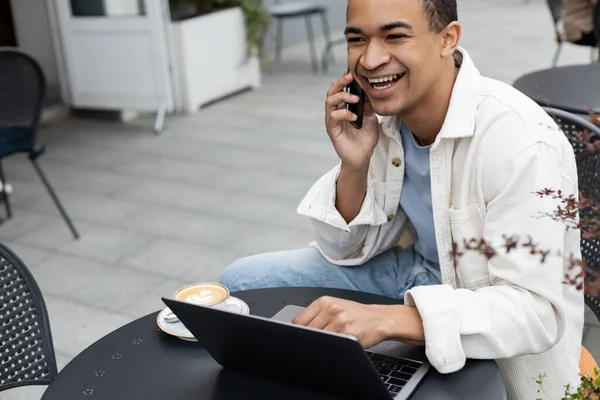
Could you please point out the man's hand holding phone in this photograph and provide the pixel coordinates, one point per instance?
(353, 146)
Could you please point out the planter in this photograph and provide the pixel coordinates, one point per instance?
(210, 54)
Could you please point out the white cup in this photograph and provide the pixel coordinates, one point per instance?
(209, 294)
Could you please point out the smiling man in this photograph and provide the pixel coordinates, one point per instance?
(453, 156)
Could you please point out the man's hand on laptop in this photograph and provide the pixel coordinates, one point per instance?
(371, 324)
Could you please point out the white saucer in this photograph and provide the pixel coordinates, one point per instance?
(179, 330)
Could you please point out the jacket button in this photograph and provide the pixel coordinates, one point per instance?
(396, 162)
(390, 217)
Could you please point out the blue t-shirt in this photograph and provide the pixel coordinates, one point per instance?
(416, 195)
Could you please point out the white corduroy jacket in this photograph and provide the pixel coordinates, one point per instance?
(496, 149)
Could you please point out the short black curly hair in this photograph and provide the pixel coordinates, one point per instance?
(440, 13)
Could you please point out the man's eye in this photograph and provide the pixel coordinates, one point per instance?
(354, 40)
(396, 36)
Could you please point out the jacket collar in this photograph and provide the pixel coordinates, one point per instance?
(460, 118)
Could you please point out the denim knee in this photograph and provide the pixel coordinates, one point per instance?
(300, 267)
(275, 269)
(236, 274)
(252, 272)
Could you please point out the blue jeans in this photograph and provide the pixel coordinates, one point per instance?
(390, 274)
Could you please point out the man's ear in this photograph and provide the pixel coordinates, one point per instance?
(450, 36)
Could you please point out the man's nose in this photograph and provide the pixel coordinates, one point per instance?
(375, 55)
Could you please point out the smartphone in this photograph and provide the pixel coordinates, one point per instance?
(356, 108)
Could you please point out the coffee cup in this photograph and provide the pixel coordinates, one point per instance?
(209, 294)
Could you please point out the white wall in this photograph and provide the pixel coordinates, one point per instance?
(33, 36)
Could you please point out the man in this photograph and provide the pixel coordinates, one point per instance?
(578, 22)
(455, 157)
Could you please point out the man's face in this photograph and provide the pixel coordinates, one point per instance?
(392, 53)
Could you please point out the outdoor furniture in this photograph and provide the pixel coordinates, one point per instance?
(573, 126)
(26, 350)
(281, 11)
(22, 92)
(588, 167)
(597, 25)
(574, 88)
(555, 7)
(328, 52)
(138, 361)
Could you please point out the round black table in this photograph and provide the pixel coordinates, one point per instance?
(574, 89)
(139, 361)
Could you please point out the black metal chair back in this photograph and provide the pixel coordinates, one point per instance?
(575, 128)
(597, 24)
(581, 133)
(588, 167)
(555, 7)
(26, 350)
(22, 93)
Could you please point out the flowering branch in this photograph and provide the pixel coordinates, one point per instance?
(578, 279)
(595, 117)
(583, 215)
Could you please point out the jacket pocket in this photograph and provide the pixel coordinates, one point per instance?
(466, 225)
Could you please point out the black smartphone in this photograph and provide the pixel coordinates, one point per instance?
(356, 108)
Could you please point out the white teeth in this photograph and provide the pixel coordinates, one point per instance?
(382, 87)
(381, 80)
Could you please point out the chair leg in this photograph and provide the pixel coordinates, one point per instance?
(55, 199)
(311, 42)
(329, 48)
(327, 34)
(279, 40)
(556, 54)
(324, 62)
(159, 124)
(4, 194)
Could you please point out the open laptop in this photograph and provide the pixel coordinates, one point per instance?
(323, 361)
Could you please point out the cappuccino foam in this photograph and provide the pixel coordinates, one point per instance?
(203, 294)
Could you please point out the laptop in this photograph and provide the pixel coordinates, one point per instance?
(326, 362)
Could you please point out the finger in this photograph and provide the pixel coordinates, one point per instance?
(307, 315)
(340, 98)
(321, 320)
(343, 115)
(333, 326)
(339, 84)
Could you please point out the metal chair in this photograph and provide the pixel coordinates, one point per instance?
(555, 7)
(573, 126)
(281, 11)
(597, 26)
(22, 92)
(328, 52)
(26, 350)
(588, 170)
(588, 167)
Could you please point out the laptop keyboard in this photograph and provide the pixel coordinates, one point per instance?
(394, 372)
